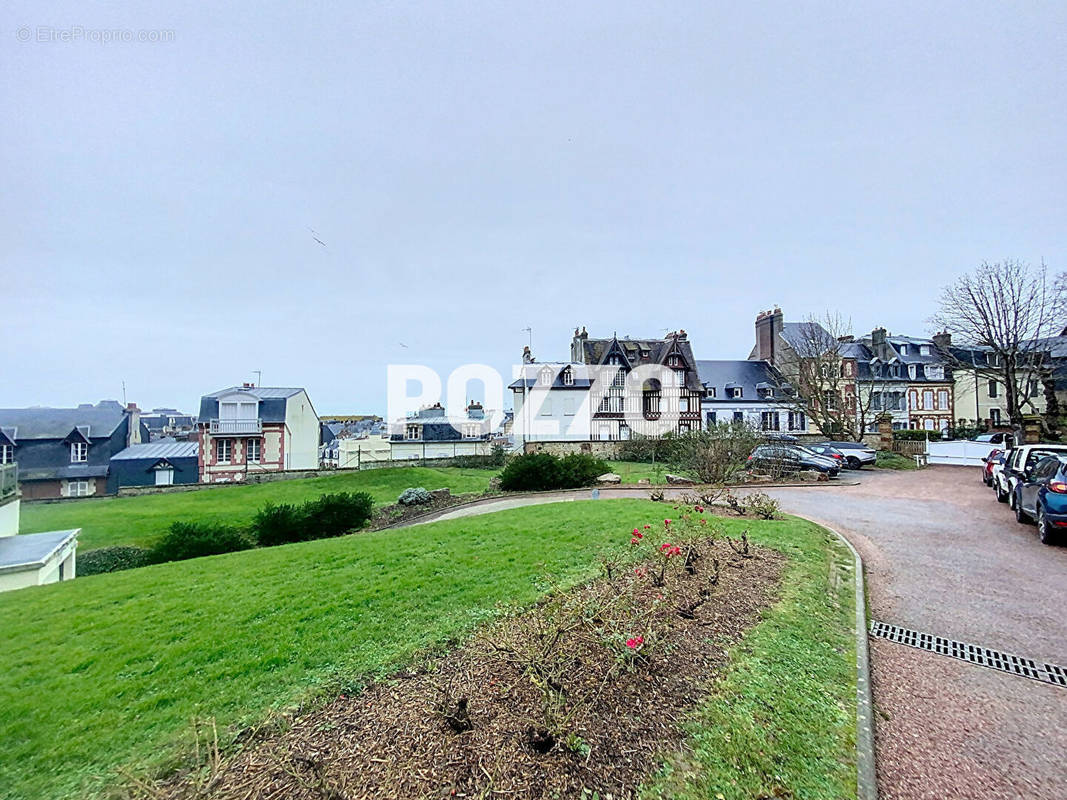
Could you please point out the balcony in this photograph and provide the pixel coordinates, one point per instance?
(236, 427)
(9, 481)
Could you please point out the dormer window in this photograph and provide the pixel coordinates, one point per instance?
(935, 373)
(470, 432)
(903, 349)
(411, 432)
(79, 452)
(736, 392)
(615, 361)
(568, 377)
(673, 360)
(924, 350)
(544, 377)
(911, 371)
(709, 392)
(7, 454)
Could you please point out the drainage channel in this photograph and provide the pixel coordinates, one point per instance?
(972, 653)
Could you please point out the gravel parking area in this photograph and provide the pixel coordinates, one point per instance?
(944, 557)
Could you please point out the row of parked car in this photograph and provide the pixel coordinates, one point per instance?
(787, 456)
(1032, 480)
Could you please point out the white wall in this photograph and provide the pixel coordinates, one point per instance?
(554, 415)
(9, 517)
(413, 450)
(962, 453)
(302, 441)
(49, 573)
(724, 412)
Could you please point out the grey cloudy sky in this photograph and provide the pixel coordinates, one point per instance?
(476, 168)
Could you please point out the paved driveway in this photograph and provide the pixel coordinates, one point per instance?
(942, 556)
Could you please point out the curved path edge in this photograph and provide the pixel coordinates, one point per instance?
(866, 783)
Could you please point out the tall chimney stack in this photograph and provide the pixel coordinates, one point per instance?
(133, 426)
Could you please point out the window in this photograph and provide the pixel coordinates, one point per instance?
(223, 451)
(739, 416)
(79, 452)
(736, 393)
(164, 477)
(994, 416)
(570, 406)
(7, 453)
(673, 360)
(470, 431)
(683, 404)
(913, 400)
(710, 392)
(546, 408)
(568, 377)
(911, 371)
(604, 432)
(624, 431)
(619, 379)
(876, 401)
(710, 418)
(928, 399)
(544, 377)
(942, 400)
(78, 488)
(992, 388)
(411, 432)
(768, 421)
(683, 427)
(615, 360)
(935, 372)
(924, 349)
(252, 451)
(1032, 387)
(829, 399)
(797, 421)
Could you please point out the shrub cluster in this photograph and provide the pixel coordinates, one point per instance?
(544, 471)
(194, 539)
(330, 515)
(417, 496)
(112, 559)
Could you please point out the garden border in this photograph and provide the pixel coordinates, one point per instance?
(866, 777)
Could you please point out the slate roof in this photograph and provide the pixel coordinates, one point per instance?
(597, 351)
(157, 450)
(532, 371)
(41, 422)
(31, 550)
(802, 335)
(749, 375)
(272, 401)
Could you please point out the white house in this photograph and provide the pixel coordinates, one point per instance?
(249, 429)
(749, 392)
(431, 433)
(31, 559)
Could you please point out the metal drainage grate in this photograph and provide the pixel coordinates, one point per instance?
(983, 656)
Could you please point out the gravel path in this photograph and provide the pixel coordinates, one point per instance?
(943, 556)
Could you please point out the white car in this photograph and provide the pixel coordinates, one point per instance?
(1017, 464)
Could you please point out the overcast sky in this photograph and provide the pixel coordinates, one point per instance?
(474, 169)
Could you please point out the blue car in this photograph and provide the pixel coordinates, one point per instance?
(1042, 497)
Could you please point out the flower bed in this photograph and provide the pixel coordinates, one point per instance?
(582, 693)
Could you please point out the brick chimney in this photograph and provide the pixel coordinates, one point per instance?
(943, 340)
(133, 427)
(578, 345)
(768, 326)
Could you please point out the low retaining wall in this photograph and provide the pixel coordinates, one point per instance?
(608, 450)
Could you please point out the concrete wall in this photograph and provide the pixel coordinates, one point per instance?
(9, 516)
(49, 573)
(406, 451)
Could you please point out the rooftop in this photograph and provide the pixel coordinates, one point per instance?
(31, 550)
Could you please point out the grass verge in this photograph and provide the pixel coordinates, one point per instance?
(141, 520)
(781, 721)
(889, 460)
(108, 672)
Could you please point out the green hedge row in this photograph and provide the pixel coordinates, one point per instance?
(544, 471)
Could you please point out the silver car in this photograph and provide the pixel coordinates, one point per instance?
(857, 454)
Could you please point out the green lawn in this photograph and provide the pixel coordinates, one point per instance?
(139, 520)
(106, 672)
(633, 471)
(889, 460)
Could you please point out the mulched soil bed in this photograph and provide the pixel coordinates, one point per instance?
(472, 723)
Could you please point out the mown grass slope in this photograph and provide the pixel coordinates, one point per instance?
(140, 520)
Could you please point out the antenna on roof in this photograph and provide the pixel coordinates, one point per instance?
(124, 393)
(259, 376)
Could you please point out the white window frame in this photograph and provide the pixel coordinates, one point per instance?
(7, 454)
(223, 446)
(544, 377)
(411, 432)
(928, 399)
(683, 405)
(568, 377)
(79, 452)
(942, 399)
(470, 431)
(253, 450)
(78, 487)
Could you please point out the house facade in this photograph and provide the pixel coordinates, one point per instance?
(250, 429)
(66, 452)
(747, 392)
(431, 433)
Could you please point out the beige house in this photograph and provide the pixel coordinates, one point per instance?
(31, 559)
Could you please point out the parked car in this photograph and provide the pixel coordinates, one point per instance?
(995, 457)
(1042, 497)
(788, 458)
(856, 454)
(826, 451)
(1020, 460)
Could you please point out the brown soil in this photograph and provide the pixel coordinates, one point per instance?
(473, 724)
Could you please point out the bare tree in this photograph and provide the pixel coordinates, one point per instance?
(1010, 308)
(820, 377)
